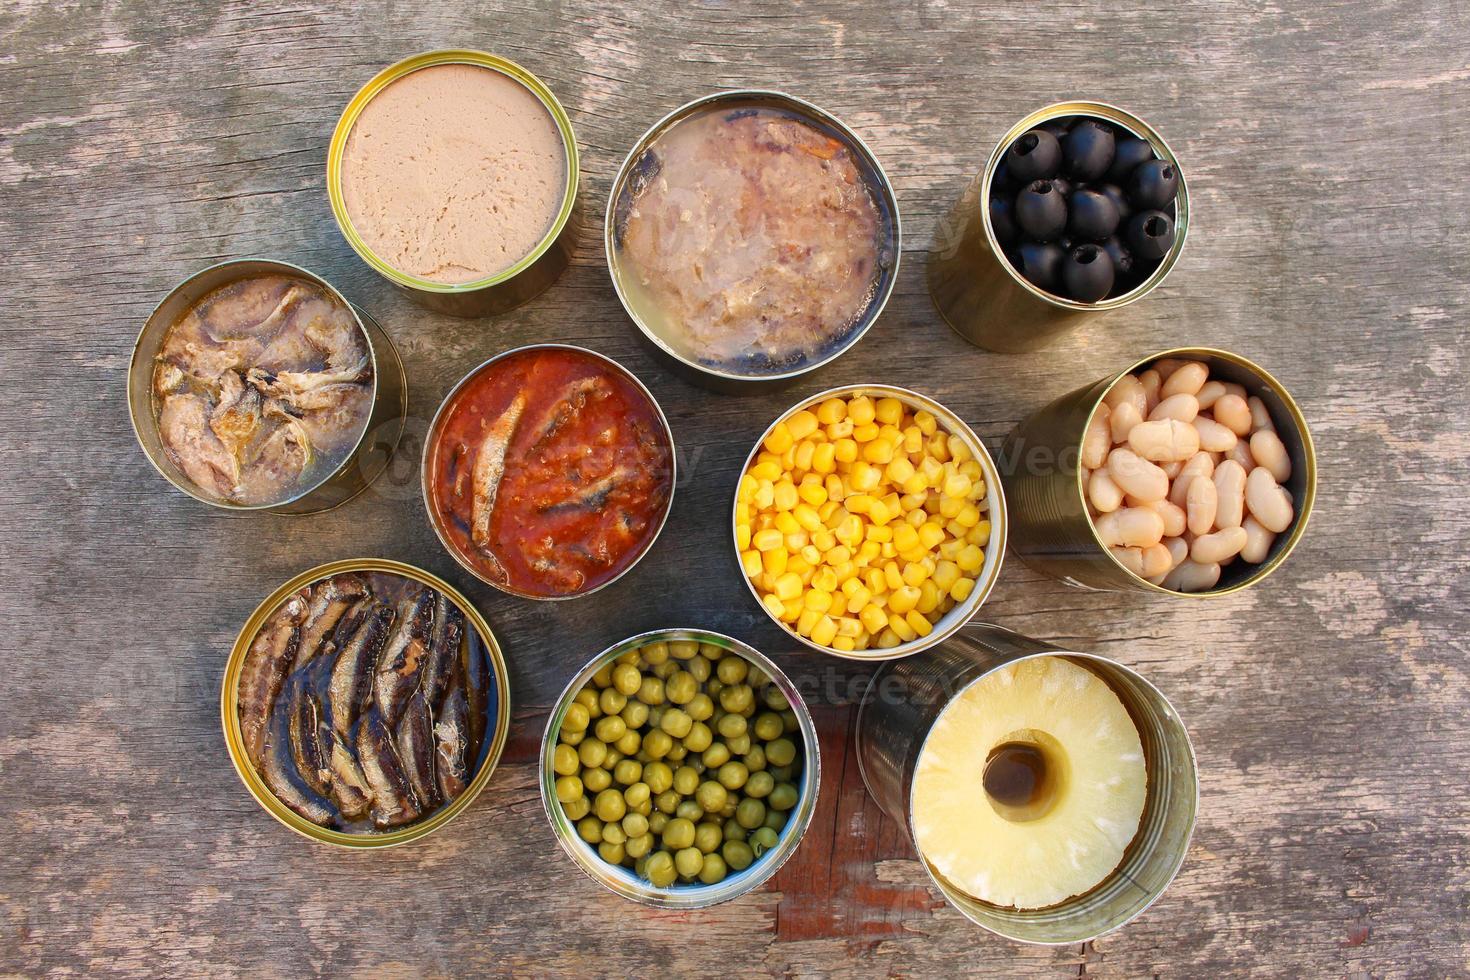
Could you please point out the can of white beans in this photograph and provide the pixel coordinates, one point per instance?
(1056, 525)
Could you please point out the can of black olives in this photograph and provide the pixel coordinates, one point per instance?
(977, 290)
(906, 697)
(374, 446)
(1040, 464)
(492, 702)
(734, 880)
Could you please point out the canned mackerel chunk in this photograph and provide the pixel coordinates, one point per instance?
(752, 237)
(454, 175)
(365, 703)
(1050, 794)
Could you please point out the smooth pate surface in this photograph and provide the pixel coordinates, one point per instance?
(453, 173)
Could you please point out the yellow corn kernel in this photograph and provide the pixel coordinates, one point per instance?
(799, 565)
(929, 597)
(825, 541)
(873, 618)
(826, 509)
(785, 495)
(850, 530)
(860, 410)
(810, 554)
(968, 516)
(788, 458)
(746, 490)
(862, 641)
(839, 430)
(786, 523)
(865, 433)
(899, 471)
(913, 507)
(879, 513)
(824, 632)
(773, 604)
(888, 639)
(977, 489)
(818, 600)
(806, 621)
(889, 551)
(742, 536)
(774, 562)
(899, 626)
(839, 604)
(780, 439)
(889, 411)
(788, 586)
(831, 410)
(767, 540)
(904, 597)
(765, 494)
(918, 622)
(905, 537)
(800, 425)
(836, 491)
(844, 643)
(932, 469)
(970, 558)
(750, 562)
(979, 534)
(859, 503)
(876, 581)
(949, 507)
(813, 493)
(807, 518)
(914, 573)
(767, 470)
(913, 439)
(837, 555)
(869, 550)
(790, 609)
(970, 467)
(824, 458)
(802, 455)
(824, 578)
(846, 450)
(879, 451)
(849, 627)
(958, 451)
(930, 534)
(950, 549)
(892, 575)
(844, 571)
(955, 529)
(879, 534)
(946, 574)
(926, 422)
(956, 485)
(960, 591)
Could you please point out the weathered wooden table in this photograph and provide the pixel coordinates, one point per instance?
(1326, 149)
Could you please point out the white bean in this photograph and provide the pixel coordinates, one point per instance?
(1097, 440)
(1260, 415)
(1269, 503)
(1131, 558)
(1209, 394)
(1219, 546)
(1232, 412)
(1137, 476)
(1200, 464)
(1174, 517)
(1187, 379)
(1133, 527)
(1151, 383)
(1172, 467)
(1105, 495)
(1178, 551)
(1268, 451)
(1232, 388)
(1230, 481)
(1241, 453)
(1164, 440)
(1127, 389)
(1181, 407)
(1191, 576)
(1125, 416)
(1258, 542)
(1214, 437)
(1157, 561)
(1201, 501)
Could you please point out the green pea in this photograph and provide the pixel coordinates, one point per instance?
(569, 788)
(678, 833)
(699, 668)
(700, 707)
(660, 869)
(681, 687)
(657, 822)
(689, 862)
(711, 796)
(783, 797)
(636, 795)
(626, 679)
(732, 670)
(651, 691)
(731, 725)
(781, 752)
(630, 744)
(708, 837)
(732, 775)
(611, 701)
(635, 824)
(587, 698)
(612, 853)
(634, 714)
(788, 719)
(739, 745)
(676, 723)
(775, 819)
(755, 760)
(762, 839)
(767, 726)
(613, 757)
(576, 719)
(655, 653)
(737, 697)
(638, 847)
(677, 753)
(776, 701)
(699, 737)
(592, 752)
(686, 780)
(683, 649)
(612, 833)
(628, 657)
(713, 687)
(658, 776)
(596, 780)
(782, 774)
(573, 739)
(578, 808)
(603, 675)
(689, 810)
(759, 785)
(737, 854)
(749, 814)
(757, 678)
(667, 801)
(564, 761)
(716, 755)
(657, 744)
(589, 828)
(627, 772)
(664, 671)
(713, 872)
(645, 808)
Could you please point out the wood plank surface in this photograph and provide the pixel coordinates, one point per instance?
(1326, 148)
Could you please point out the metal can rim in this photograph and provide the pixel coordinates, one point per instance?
(1119, 117)
(235, 741)
(425, 464)
(683, 896)
(994, 549)
(876, 307)
(450, 56)
(1309, 453)
(287, 268)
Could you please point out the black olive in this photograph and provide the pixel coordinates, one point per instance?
(1063, 185)
(1040, 211)
(1034, 156)
(1057, 127)
(1091, 216)
(1003, 220)
(1150, 235)
(1118, 252)
(1087, 273)
(1041, 263)
(1153, 184)
(1128, 153)
(1087, 152)
(1120, 200)
(1001, 182)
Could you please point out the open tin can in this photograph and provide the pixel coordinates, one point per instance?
(621, 880)
(530, 275)
(641, 167)
(906, 697)
(977, 290)
(497, 721)
(996, 513)
(1041, 465)
(374, 447)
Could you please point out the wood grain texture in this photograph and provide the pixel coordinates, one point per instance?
(1326, 150)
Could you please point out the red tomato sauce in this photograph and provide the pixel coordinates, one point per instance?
(551, 472)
